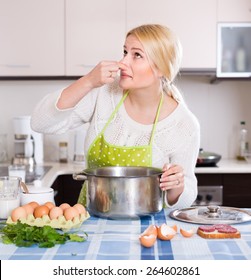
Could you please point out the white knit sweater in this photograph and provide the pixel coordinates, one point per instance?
(176, 139)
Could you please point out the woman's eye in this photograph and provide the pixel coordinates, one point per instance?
(125, 52)
(138, 55)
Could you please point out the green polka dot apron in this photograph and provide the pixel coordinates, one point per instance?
(101, 153)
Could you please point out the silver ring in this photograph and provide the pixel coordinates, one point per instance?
(178, 182)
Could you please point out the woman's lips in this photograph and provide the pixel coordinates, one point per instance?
(125, 75)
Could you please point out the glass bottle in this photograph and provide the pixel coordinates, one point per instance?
(63, 152)
(243, 141)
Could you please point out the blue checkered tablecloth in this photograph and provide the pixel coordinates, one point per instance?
(118, 240)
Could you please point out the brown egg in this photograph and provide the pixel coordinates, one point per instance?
(49, 204)
(18, 213)
(40, 211)
(152, 229)
(34, 204)
(187, 233)
(70, 213)
(147, 240)
(64, 206)
(28, 208)
(166, 232)
(55, 212)
(80, 208)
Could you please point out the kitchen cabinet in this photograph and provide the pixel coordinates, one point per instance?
(95, 31)
(32, 38)
(68, 38)
(237, 190)
(194, 21)
(234, 11)
(236, 187)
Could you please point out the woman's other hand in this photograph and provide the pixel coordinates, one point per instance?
(172, 181)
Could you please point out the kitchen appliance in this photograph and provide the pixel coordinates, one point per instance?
(122, 192)
(35, 173)
(3, 148)
(233, 50)
(28, 144)
(207, 159)
(209, 195)
(212, 214)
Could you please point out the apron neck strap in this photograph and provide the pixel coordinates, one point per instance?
(157, 117)
(115, 111)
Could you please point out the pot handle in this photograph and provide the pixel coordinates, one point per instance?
(79, 177)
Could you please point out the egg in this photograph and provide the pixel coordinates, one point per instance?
(28, 208)
(175, 227)
(166, 232)
(49, 204)
(147, 240)
(55, 212)
(152, 229)
(70, 213)
(34, 204)
(40, 211)
(80, 208)
(187, 233)
(18, 213)
(64, 206)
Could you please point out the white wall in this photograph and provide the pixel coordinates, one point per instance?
(219, 107)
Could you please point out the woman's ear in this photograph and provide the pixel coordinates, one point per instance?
(160, 74)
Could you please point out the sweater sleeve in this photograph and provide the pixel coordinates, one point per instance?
(47, 118)
(187, 157)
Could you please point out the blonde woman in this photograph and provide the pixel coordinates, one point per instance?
(135, 112)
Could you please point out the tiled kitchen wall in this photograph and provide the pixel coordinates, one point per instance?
(219, 107)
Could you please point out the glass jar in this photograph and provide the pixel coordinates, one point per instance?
(63, 152)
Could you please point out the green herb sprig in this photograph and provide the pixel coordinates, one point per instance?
(24, 235)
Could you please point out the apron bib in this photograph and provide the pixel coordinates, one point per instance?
(101, 153)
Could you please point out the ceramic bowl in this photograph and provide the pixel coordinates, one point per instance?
(40, 195)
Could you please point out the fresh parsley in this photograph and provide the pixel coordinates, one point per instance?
(24, 235)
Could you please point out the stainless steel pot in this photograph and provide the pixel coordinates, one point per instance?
(122, 192)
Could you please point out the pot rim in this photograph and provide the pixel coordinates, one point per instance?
(93, 172)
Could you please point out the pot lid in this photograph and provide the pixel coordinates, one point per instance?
(211, 214)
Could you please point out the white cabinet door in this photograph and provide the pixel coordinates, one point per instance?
(31, 38)
(194, 21)
(95, 31)
(234, 10)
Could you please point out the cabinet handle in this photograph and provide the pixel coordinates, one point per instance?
(16, 65)
(85, 65)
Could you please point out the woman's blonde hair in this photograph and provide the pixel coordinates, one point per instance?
(164, 50)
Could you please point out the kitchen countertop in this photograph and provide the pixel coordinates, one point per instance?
(118, 240)
(227, 166)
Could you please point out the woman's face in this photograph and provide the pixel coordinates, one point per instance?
(136, 71)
